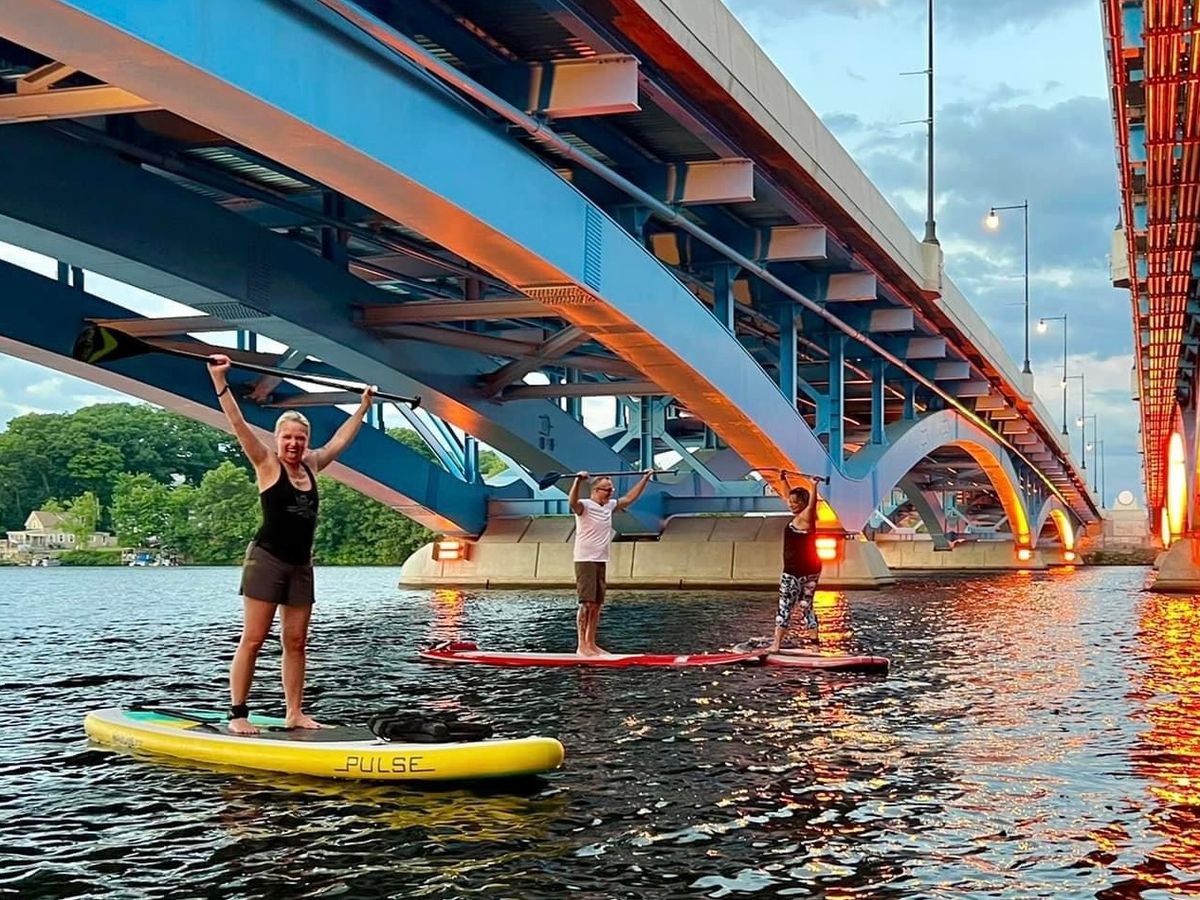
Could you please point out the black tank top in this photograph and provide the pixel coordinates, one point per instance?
(289, 519)
(800, 552)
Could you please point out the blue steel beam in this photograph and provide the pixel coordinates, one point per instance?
(457, 190)
(70, 201)
(40, 319)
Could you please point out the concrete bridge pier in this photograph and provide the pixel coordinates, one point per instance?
(970, 556)
(1179, 568)
(693, 552)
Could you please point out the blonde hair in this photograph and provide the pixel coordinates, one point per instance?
(292, 416)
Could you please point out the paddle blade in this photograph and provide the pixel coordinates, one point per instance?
(551, 479)
(96, 344)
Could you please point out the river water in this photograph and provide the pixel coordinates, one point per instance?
(1038, 736)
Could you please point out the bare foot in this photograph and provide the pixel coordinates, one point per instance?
(591, 651)
(241, 726)
(302, 721)
(774, 648)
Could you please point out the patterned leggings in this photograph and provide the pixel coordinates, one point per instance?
(795, 589)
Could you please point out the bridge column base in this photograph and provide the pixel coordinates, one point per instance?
(700, 552)
(920, 556)
(1179, 568)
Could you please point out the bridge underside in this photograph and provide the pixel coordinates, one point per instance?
(1150, 47)
(497, 276)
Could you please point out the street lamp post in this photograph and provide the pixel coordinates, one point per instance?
(930, 223)
(1092, 445)
(1099, 445)
(993, 222)
(1082, 416)
(1042, 326)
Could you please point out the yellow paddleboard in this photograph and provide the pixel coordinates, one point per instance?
(343, 751)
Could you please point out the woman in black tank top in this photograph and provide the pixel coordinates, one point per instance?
(278, 568)
(801, 565)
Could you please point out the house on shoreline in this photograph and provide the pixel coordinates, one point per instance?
(45, 533)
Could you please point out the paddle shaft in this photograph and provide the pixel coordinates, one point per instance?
(816, 478)
(291, 373)
(551, 478)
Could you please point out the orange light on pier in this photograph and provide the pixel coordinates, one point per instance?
(1068, 556)
(1024, 554)
(450, 550)
(829, 547)
(1176, 487)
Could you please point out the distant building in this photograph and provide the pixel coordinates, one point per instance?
(44, 531)
(1126, 526)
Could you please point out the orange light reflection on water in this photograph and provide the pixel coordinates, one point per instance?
(832, 610)
(449, 608)
(1168, 753)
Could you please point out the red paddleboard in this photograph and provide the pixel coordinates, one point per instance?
(802, 659)
(467, 652)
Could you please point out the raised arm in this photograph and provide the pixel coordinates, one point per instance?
(635, 491)
(256, 451)
(809, 514)
(320, 457)
(573, 497)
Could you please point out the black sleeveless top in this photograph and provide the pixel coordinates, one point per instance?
(289, 519)
(800, 552)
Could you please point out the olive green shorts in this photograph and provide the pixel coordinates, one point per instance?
(590, 582)
(268, 578)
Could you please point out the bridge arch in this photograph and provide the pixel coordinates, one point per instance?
(875, 470)
(1052, 510)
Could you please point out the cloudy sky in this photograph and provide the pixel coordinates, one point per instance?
(1022, 113)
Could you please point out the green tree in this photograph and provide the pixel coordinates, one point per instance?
(179, 534)
(63, 455)
(412, 441)
(353, 529)
(490, 463)
(222, 515)
(82, 516)
(142, 510)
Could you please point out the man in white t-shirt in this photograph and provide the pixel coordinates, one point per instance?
(593, 535)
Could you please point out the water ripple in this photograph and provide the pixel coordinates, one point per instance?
(1039, 737)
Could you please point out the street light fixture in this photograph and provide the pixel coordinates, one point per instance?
(993, 222)
(1092, 444)
(1082, 416)
(1043, 324)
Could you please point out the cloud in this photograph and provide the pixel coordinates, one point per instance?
(843, 124)
(1060, 159)
(29, 388)
(960, 16)
(47, 388)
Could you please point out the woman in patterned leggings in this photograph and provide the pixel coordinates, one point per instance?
(801, 565)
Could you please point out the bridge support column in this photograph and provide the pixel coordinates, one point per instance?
(1179, 568)
(923, 556)
(693, 552)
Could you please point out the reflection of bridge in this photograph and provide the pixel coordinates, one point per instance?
(447, 198)
(1152, 60)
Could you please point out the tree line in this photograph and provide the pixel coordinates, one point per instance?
(155, 478)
